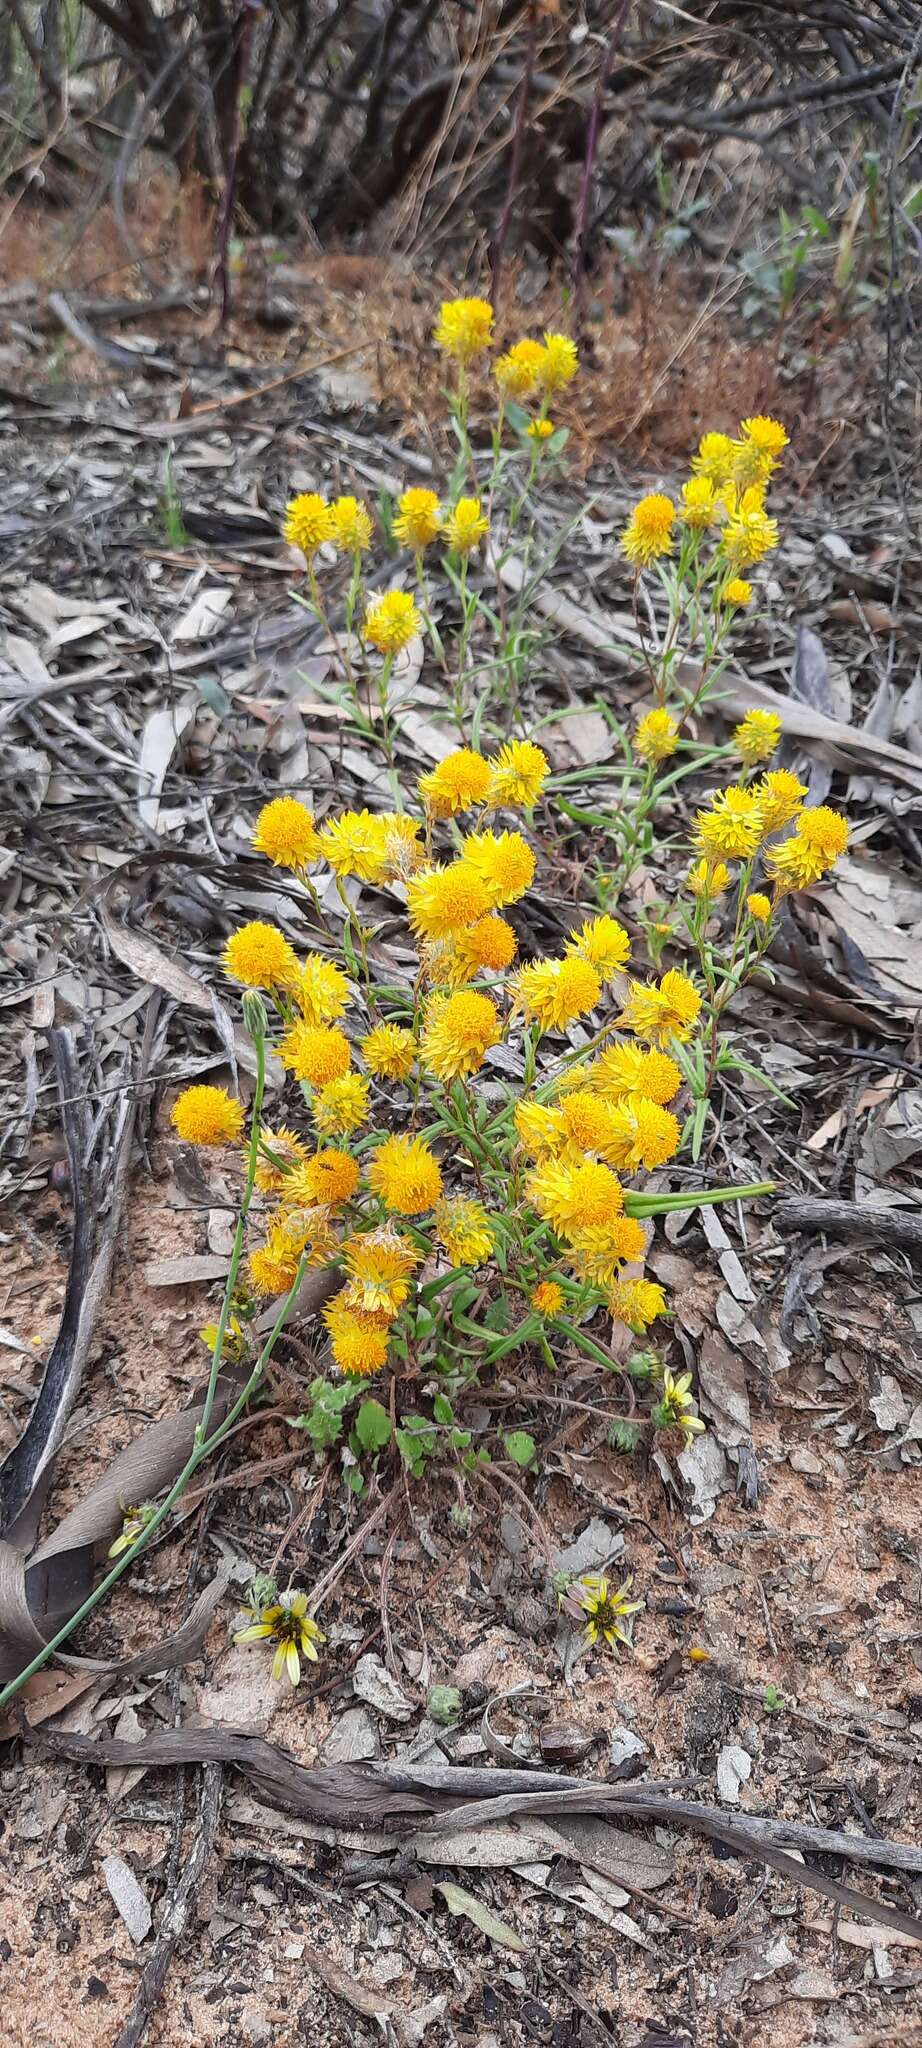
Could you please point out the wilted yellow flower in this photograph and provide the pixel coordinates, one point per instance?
(518, 773)
(465, 327)
(486, 947)
(325, 1180)
(406, 1175)
(288, 1625)
(737, 591)
(389, 1050)
(379, 1267)
(351, 526)
(419, 518)
(341, 1105)
(441, 901)
(547, 1299)
(749, 532)
(779, 795)
(757, 736)
(400, 839)
(674, 1409)
(538, 1128)
(322, 991)
(504, 864)
(458, 1033)
(207, 1116)
(516, 372)
(636, 1070)
(358, 1337)
(636, 1302)
(553, 993)
(599, 1251)
(660, 1013)
(759, 907)
(355, 843)
(461, 780)
(286, 834)
(273, 1267)
(732, 827)
(648, 533)
(307, 523)
(287, 1150)
(714, 459)
(315, 1053)
(463, 1229)
(644, 1134)
(708, 878)
(657, 736)
(559, 363)
(540, 430)
(604, 943)
(260, 956)
(700, 504)
(572, 1198)
(606, 1610)
(465, 526)
(392, 620)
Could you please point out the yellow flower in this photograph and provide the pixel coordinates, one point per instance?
(465, 327)
(749, 533)
(273, 1267)
(792, 865)
(547, 1299)
(737, 591)
(286, 1147)
(636, 1302)
(820, 836)
(260, 956)
(657, 736)
(419, 519)
(406, 1175)
(379, 1267)
(458, 1033)
(503, 863)
(573, 1198)
(207, 1116)
(664, 1012)
(757, 736)
(355, 843)
(441, 901)
(648, 533)
(598, 1252)
(766, 434)
(288, 1625)
(341, 1105)
(629, 1070)
(325, 1180)
(540, 430)
(136, 1519)
(389, 1050)
(315, 1053)
(307, 523)
(708, 878)
(402, 852)
(699, 507)
(779, 795)
(322, 991)
(351, 526)
(559, 362)
(756, 453)
(516, 372)
(465, 526)
(358, 1337)
(732, 827)
(518, 774)
(587, 1121)
(604, 943)
(538, 1128)
(463, 1230)
(487, 946)
(553, 993)
(606, 1610)
(714, 459)
(286, 834)
(674, 1408)
(392, 620)
(825, 831)
(759, 907)
(644, 1134)
(461, 780)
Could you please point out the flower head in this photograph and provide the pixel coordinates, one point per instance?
(458, 1033)
(503, 863)
(379, 1267)
(714, 459)
(538, 1128)
(401, 851)
(572, 1198)
(392, 620)
(559, 363)
(547, 1299)
(644, 1134)
(732, 827)
(779, 795)
(465, 327)
(389, 1050)
(553, 993)
(207, 1116)
(516, 372)
(606, 1609)
(759, 907)
(307, 523)
(674, 1410)
(321, 990)
(351, 526)
(821, 834)
(260, 956)
(599, 1251)
(460, 781)
(540, 430)
(355, 843)
(325, 1180)
(749, 532)
(737, 591)
(587, 1122)
(341, 1105)
(464, 1231)
(648, 533)
(604, 943)
(708, 879)
(280, 1150)
(756, 453)
(518, 774)
(419, 518)
(465, 526)
(825, 831)
(664, 1011)
(700, 504)
(636, 1070)
(273, 1266)
(406, 1175)
(441, 901)
(295, 1634)
(657, 736)
(315, 1053)
(358, 1337)
(485, 947)
(636, 1302)
(286, 834)
(757, 736)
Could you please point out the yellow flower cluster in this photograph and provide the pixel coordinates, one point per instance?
(725, 495)
(740, 824)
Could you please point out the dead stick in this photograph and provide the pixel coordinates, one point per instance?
(176, 1912)
(850, 1219)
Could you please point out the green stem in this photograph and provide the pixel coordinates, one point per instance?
(237, 1251)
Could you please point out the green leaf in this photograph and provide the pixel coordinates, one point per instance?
(355, 1480)
(520, 1447)
(373, 1426)
(459, 1901)
(442, 1409)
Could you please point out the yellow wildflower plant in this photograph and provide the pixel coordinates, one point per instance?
(518, 774)
(392, 620)
(648, 534)
(320, 989)
(285, 832)
(540, 430)
(341, 1105)
(260, 956)
(558, 363)
(458, 783)
(308, 523)
(465, 526)
(464, 1231)
(607, 1610)
(547, 1299)
(458, 1031)
(657, 735)
(207, 1116)
(516, 372)
(757, 736)
(406, 1175)
(465, 328)
(351, 526)
(419, 519)
(503, 864)
(292, 1629)
(389, 1051)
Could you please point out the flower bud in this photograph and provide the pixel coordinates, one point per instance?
(254, 1014)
